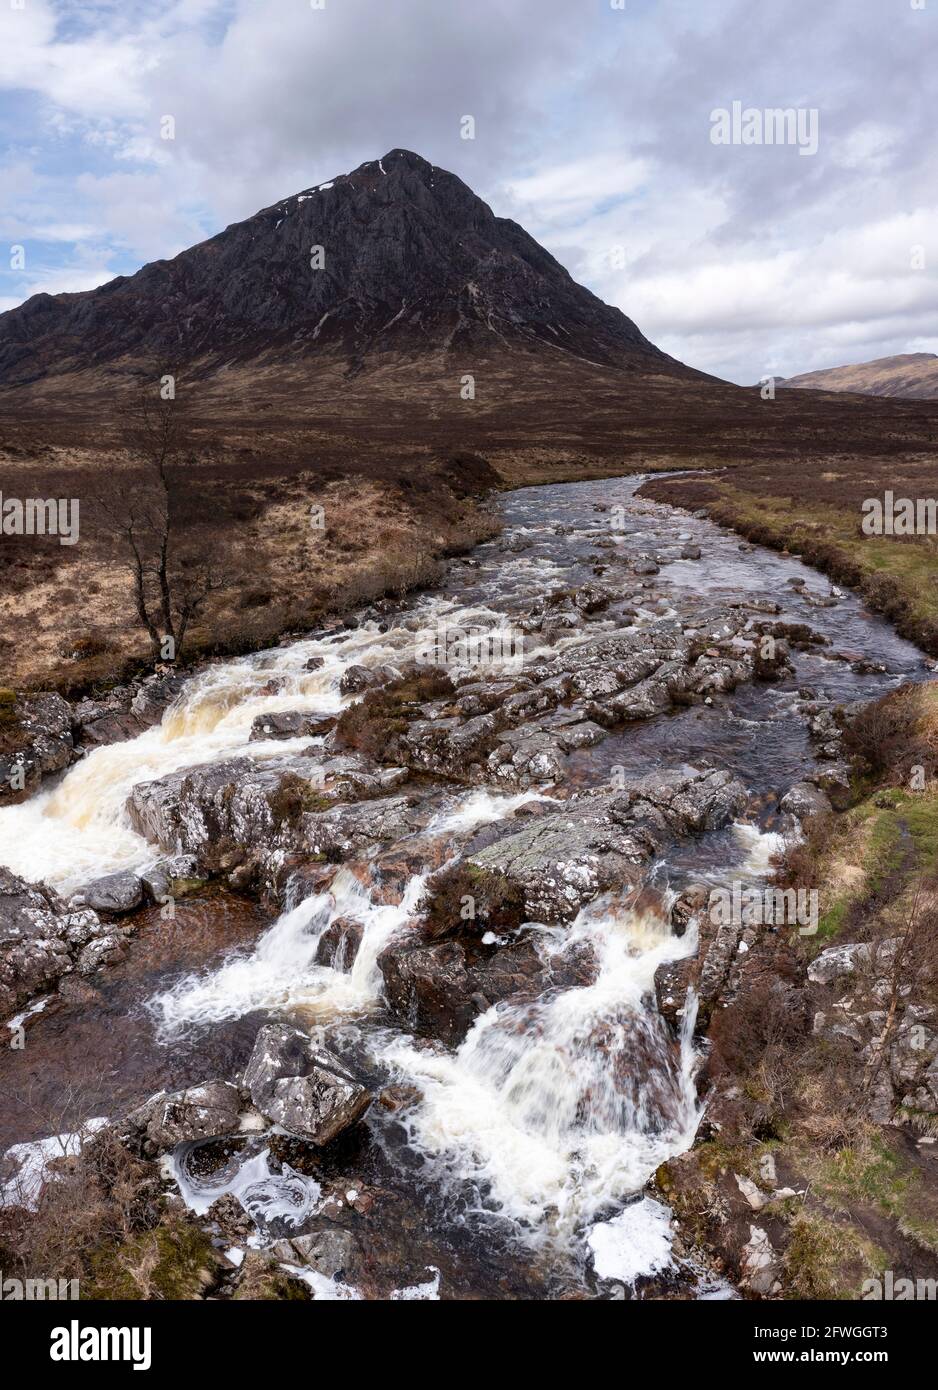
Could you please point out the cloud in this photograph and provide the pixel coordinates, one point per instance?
(592, 128)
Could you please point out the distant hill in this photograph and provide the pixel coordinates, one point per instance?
(913, 375)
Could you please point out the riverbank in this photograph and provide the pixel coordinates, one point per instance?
(291, 545)
(818, 515)
(815, 1173)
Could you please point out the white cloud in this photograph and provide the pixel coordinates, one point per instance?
(592, 130)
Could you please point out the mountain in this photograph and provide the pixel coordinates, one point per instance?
(412, 263)
(913, 375)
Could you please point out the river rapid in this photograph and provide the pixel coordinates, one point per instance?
(518, 1166)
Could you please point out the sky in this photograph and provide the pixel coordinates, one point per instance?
(593, 125)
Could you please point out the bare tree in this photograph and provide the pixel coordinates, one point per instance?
(171, 576)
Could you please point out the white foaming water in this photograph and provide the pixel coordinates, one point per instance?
(267, 1196)
(281, 972)
(759, 846)
(636, 1242)
(557, 1108)
(79, 829)
(480, 807)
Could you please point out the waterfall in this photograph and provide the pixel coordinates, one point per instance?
(556, 1109)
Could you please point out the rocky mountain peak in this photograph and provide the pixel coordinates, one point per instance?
(396, 257)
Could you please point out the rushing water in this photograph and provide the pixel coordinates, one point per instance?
(539, 1130)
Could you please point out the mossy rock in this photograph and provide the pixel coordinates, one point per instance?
(498, 902)
(262, 1280)
(174, 1261)
(8, 713)
(293, 798)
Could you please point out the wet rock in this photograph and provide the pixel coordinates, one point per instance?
(305, 1089)
(220, 813)
(339, 943)
(591, 598)
(110, 727)
(691, 552)
(688, 907)
(707, 972)
(525, 756)
(75, 990)
(399, 1097)
(644, 567)
(433, 989)
(114, 894)
(290, 724)
(330, 1250)
(803, 800)
(358, 678)
(835, 780)
(201, 1112)
(127, 711)
(37, 740)
(598, 840)
(103, 950)
(172, 878)
(440, 988)
(346, 830)
(41, 939)
(154, 695)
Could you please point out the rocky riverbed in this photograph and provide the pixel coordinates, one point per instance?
(435, 884)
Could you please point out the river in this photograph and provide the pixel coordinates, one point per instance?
(519, 1169)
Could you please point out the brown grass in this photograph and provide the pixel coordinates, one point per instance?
(371, 723)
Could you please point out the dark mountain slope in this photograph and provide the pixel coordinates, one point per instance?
(412, 263)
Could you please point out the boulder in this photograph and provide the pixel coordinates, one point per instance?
(339, 943)
(358, 678)
(200, 1112)
(591, 598)
(37, 740)
(305, 1089)
(440, 988)
(344, 831)
(41, 939)
(597, 841)
(172, 877)
(290, 724)
(330, 1250)
(114, 894)
(803, 800)
(838, 962)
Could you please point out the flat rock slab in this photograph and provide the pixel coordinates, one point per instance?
(599, 840)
